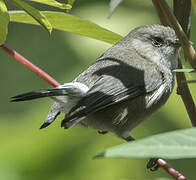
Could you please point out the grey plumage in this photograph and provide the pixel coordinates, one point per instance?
(122, 87)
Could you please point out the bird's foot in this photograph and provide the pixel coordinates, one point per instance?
(152, 164)
(129, 138)
(102, 132)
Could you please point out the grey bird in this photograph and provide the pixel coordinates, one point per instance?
(124, 86)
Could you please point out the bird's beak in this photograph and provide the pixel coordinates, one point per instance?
(178, 44)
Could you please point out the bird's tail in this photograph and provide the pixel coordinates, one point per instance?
(75, 89)
(39, 94)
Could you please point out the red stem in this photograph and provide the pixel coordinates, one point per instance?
(30, 66)
(175, 174)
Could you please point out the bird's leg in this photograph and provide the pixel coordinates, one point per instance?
(152, 163)
(129, 138)
(102, 132)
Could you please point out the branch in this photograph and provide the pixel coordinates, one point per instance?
(167, 18)
(29, 65)
(163, 19)
(170, 170)
(188, 48)
(182, 11)
(184, 92)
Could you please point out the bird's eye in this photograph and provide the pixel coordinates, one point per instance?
(157, 41)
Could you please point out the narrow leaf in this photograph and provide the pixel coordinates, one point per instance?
(69, 23)
(4, 20)
(190, 81)
(113, 5)
(71, 2)
(37, 15)
(172, 145)
(184, 70)
(54, 4)
(194, 5)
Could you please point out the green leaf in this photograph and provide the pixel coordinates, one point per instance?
(37, 15)
(163, 178)
(190, 81)
(71, 2)
(54, 4)
(113, 5)
(69, 23)
(172, 145)
(184, 70)
(194, 5)
(4, 20)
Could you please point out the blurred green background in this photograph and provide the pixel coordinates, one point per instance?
(54, 153)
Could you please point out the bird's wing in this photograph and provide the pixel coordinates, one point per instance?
(106, 92)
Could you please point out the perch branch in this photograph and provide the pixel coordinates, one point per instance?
(170, 170)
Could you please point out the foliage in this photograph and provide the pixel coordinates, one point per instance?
(4, 19)
(69, 23)
(172, 145)
(194, 5)
(33, 154)
(54, 4)
(113, 5)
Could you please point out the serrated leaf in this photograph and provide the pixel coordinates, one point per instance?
(37, 15)
(54, 4)
(4, 20)
(194, 5)
(184, 70)
(172, 145)
(113, 5)
(69, 23)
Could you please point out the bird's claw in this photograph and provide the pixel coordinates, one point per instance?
(152, 164)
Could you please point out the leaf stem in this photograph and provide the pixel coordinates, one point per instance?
(29, 65)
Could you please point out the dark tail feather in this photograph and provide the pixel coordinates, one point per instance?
(54, 112)
(38, 94)
(51, 117)
(44, 125)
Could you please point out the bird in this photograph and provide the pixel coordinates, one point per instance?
(123, 87)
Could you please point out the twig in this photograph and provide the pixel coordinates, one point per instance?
(29, 65)
(188, 48)
(182, 10)
(175, 174)
(163, 19)
(183, 90)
